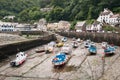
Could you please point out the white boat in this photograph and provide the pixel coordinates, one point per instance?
(104, 44)
(75, 44)
(66, 49)
(64, 39)
(87, 43)
(78, 40)
(20, 59)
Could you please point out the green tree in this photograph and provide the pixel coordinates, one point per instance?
(55, 15)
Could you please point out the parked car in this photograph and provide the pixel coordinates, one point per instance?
(20, 59)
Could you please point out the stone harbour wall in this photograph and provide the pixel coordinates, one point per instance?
(9, 49)
(112, 38)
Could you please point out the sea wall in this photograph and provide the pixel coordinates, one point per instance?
(112, 38)
(9, 49)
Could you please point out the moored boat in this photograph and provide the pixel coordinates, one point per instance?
(60, 59)
(64, 39)
(67, 49)
(20, 59)
(92, 49)
(75, 44)
(109, 50)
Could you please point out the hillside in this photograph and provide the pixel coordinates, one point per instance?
(29, 10)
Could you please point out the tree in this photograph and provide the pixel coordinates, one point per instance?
(56, 14)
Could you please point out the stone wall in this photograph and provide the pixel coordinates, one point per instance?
(112, 38)
(9, 49)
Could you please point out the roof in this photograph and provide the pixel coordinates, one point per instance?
(115, 16)
(7, 23)
(80, 23)
(106, 12)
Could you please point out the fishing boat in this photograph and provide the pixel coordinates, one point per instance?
(109, 50)
(67, 49)
(60, 59)
(20, 59)
(92, 49)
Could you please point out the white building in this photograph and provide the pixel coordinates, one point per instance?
(108, 17)
(7, 26)
(95, 27)
(22, 27)
(9, 17)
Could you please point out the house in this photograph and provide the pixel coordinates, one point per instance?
(41, 25)
(63, 25)
(52, 26)
(60, 26)
(23, 27)
(108, 17)
(114, 19)
(7, 26)
(9, 17)
(95, 27)
(80, 26)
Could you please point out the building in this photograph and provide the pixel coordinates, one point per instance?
(9, 17)
(80, 26)
(52, 26)
(63, 26)
(7, 26)
(60, 26)
(22, 27)
(41, 25)
(95, 27)
(108, 17)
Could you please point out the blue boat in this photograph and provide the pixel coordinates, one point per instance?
(109, 50)
(59, 59)
(92, 49)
